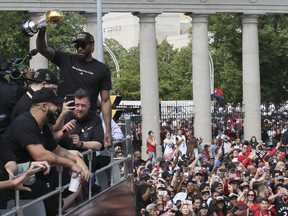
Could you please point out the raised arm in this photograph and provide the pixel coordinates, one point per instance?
(42, 47)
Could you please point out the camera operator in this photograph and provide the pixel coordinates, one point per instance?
(10, 93)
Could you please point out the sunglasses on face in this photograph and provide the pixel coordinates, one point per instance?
(82, 45)
(251, 195)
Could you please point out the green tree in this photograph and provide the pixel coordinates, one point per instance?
(226, 46)
(226, 49)
(12, 41)
(166, 55)
(128, 84)
(182, 74)
(273, 51)
(119, 52)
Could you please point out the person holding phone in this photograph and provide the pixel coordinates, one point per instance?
(88, 131)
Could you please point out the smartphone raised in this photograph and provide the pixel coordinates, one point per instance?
(70, 97)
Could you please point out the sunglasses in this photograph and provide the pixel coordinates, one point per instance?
(250, 194)
(82, 45)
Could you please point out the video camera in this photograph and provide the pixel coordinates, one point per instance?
(17, 67)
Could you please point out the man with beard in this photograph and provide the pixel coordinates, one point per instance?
(31, 139)
(88, 131)
(82, 71)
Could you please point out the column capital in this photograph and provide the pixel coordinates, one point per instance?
(250, 19)
(191, 14)
(198, 17)
(91, 17)
(146, 17)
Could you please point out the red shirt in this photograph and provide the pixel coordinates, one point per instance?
(262, 213)
(219, 91)
(150, 147)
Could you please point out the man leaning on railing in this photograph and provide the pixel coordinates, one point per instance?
(31, 139)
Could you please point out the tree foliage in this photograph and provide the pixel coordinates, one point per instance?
(273, 49)
(13, 43)
(226, 46)
(128, 83)
(226, 51)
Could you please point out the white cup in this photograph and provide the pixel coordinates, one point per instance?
(74, 182)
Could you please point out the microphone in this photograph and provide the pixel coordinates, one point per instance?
(33, 53)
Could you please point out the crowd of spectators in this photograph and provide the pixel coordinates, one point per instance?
(230, 177)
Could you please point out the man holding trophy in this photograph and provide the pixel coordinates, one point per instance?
(79, 70)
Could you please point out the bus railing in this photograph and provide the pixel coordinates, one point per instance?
(126, 161)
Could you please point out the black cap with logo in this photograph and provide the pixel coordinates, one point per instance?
(84, 37)
(46, 95)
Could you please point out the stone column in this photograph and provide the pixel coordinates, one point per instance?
(149, 80)
(251, 77)
(38, 61)
(201, 77)
(91, 27)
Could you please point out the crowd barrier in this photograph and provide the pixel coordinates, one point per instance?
(36, 207)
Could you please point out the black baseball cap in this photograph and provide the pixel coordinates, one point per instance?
(46, 95)
(84, 37)
(144, 177)
(46, 75)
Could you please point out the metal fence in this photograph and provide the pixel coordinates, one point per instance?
(176, 110)
(115, 178)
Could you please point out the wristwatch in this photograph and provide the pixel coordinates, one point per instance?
(81, 144)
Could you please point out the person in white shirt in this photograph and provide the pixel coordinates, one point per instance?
(168, 144)
(103, 157)
(181, 142)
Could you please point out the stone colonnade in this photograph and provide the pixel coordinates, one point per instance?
(201, 78)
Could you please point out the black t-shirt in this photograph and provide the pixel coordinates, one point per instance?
(74, 74)
(88, 129)
(140, 203)
(23, 105)
(6, 153)
(281, 207)
(23, 131)
(9, 95)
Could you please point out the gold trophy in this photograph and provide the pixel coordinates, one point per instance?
(50, 18)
